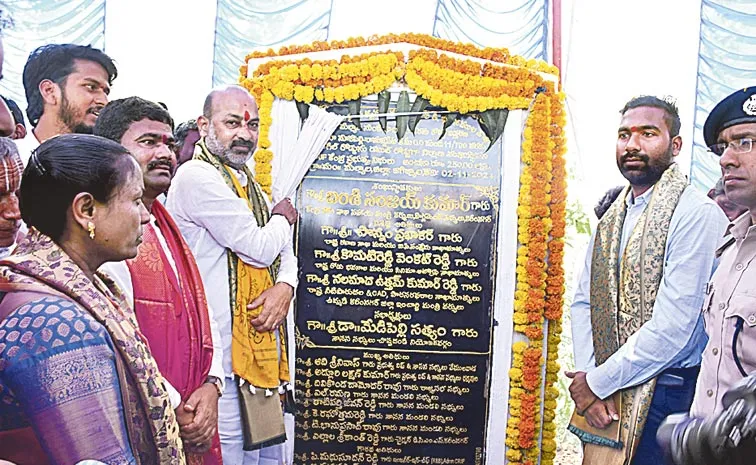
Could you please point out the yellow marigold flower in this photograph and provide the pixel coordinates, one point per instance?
(520, 318)
(514, 455)
(304, 94)
(263, 156)
(305, 72)
(519, 347)
(263, 142)
(548, 445)
(316, 72)
(338, 95)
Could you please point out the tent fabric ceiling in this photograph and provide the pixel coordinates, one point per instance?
(726, 61)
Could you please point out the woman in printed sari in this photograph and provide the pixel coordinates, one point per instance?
(77, 380)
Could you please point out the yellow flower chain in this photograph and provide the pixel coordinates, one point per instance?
(534, 227)
(464, 86)
(499, 55)
(555, 275)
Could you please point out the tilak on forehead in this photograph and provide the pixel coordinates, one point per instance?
(247, 116)
(639, 128)
(11, 168)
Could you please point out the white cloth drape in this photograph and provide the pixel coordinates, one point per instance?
(295, 145)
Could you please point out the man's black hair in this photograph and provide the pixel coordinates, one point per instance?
(18, 116)
(56, 62)
(182, 130)
(118, 115)
(671, 115)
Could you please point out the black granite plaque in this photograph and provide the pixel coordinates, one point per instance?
(396, 246)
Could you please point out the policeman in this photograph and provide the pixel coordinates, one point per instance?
(723, 427)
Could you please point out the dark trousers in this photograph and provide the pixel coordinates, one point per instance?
(673, 394)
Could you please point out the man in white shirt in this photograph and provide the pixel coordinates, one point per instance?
(226, 220)
(66, 86)
(637, 308)
(164, 285)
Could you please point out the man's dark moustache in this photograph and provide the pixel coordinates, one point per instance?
(242, 143)
(154, 164)
(635, 156)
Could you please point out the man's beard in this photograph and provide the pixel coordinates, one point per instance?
(71, 120)
(227, 154)
(650, 173)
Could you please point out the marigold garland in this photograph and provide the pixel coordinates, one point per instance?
(555, 275)
(500, 55)
(534, 226)
(456, 84)
(540, 280)
(465, 86)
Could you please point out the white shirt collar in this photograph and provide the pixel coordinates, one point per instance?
(631, 200)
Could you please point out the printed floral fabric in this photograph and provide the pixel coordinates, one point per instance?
(40, 265)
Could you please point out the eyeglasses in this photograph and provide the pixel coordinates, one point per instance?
(738, 146)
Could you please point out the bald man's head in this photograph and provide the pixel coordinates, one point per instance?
(229, 124)
(232, 90)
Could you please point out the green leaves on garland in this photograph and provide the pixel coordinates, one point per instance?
(384, 97)
(492, 123)
(354, 109)
(303, 109)
(402, 106)
(420, 104)
(449, 119)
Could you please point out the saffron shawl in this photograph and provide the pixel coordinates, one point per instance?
(255, 356)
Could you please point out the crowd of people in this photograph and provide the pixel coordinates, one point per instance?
(111, 350)
(665, 307)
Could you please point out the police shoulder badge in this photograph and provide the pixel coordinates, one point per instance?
(749, 106)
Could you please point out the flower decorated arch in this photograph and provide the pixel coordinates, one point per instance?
(462, 80)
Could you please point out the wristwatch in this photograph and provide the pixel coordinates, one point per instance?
(217, 382)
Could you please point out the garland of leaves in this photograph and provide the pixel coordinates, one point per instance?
(487, 91)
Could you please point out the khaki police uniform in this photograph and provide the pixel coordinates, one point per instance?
(729, 314)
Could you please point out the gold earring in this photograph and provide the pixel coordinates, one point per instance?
(91, 229)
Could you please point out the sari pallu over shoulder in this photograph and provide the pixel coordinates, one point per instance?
(39, 265)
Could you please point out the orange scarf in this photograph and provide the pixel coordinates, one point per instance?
(255, 356)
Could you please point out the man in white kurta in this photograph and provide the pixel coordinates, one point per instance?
(214, 220)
